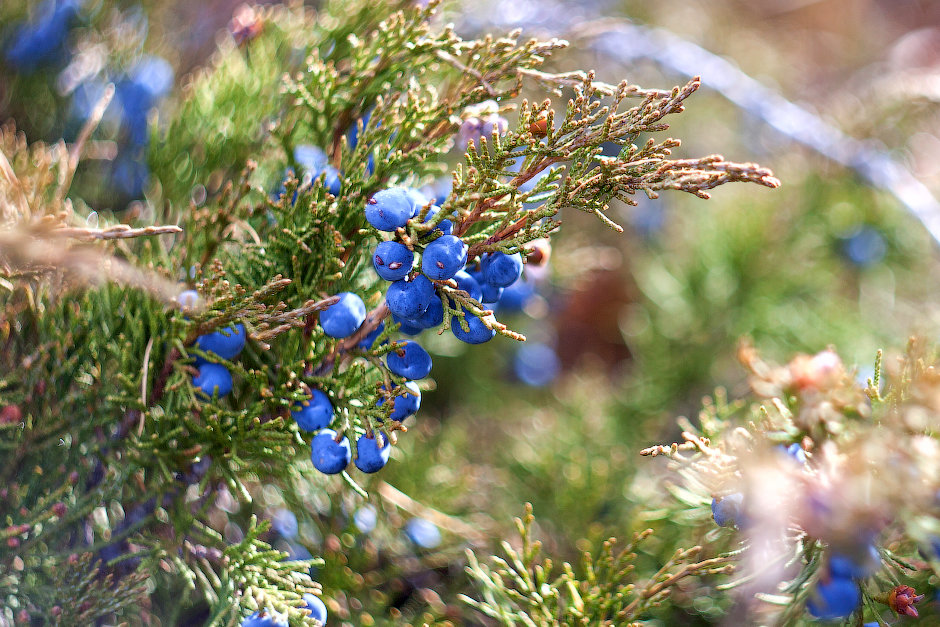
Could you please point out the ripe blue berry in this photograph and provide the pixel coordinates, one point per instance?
(226, 343)
(392, 260)
(407, 404)
(389, 209)
(329, 456)
(727, 510)
(478, 332)
(444, 257)
(367, 342)
(423, 532)
(212, 379)
(468, 283)
(316, 606)
(369, 456)
(316, 414)
(409, 299)
(833, 599)
(516, 296)
(409, 360)
(408, 327)
(433, 315)
(445, 226)
(342, 318)
(502, 270)
(490, 293)
(865, 247)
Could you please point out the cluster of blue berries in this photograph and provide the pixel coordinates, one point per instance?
(413, 298)
(214, 379)
(330, 452)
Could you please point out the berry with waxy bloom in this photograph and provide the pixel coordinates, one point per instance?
(727, 510)
(342, 318)
(316, 606)
(477, 332)
(406, 404)
(372, 453)
(315, 413)
(444, 257)
(410, 299)
(213, 379)
(226, 343)
(502, 270)
(329, 456)
(390, 209)
(409, 360)
(392, 260)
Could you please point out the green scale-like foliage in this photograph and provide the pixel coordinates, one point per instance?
(115, 449)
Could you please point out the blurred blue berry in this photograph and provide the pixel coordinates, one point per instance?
(536, 364)
(727, 510)
(365, 518)
(316, 606)
(369, 340)
(864, 247)
(423, 533)
(284, 522)
(834, 599)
